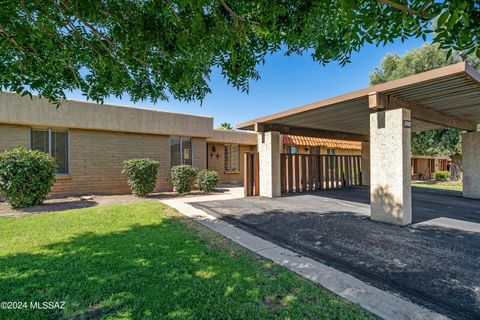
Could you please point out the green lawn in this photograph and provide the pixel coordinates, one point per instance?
(144, 260)
(446, 185)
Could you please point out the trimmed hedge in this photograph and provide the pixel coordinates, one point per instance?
(141, 175)
(207, 180)
(442, 175)
(26, 176)
(183, 177)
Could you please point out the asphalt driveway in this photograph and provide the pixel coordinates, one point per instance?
(434, 262)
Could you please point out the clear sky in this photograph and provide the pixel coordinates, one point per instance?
(286, 82)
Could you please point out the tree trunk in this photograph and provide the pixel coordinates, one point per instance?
(456, 168)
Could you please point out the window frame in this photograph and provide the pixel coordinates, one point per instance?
(181, 150)
(49, 130)
(229, 146)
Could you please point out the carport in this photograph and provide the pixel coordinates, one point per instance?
(383, 117)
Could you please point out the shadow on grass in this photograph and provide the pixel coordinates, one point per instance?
(156, 271)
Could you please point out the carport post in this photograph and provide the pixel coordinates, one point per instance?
(390, 152)
(471, 164)
(365, 163)
(269, 148)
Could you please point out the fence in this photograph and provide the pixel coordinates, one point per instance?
(308, 172)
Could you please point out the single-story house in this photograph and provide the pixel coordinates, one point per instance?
(91, 141)
(423, 167)
(311, 145)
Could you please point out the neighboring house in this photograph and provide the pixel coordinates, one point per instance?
(307, 145)
(424, 167)
(90, 142)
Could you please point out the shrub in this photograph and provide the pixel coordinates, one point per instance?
(26, 176)
(207, 180)
(442, 175)
(141, 175)
(182, 178)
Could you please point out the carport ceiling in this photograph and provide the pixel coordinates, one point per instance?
(453, 91)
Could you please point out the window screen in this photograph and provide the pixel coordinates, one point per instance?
(180, 151)
(232, 157)
(186, 151)
(59, 150)
(53, 142)
(39, 140)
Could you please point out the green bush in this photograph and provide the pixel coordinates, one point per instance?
(141, 175)
(182, 178)
(26, 176)
(442, 175)
(207, 180)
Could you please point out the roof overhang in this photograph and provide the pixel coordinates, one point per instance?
(444, 97)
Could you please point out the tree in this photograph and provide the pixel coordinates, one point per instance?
(152, 49)
(429, 56)
(225, 126)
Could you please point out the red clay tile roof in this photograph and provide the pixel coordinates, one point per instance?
(320, 142)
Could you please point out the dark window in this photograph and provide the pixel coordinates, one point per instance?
(232, 157)
(53, 142)
(315, 150)
(180, 151)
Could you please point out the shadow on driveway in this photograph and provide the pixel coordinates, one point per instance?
(432, 266)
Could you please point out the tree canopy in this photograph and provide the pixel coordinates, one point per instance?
(225, 126)
(153, 49)
(429, 56)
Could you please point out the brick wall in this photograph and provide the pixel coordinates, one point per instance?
(199, 153)
(96, 161)
(96, 158)
(13, 136)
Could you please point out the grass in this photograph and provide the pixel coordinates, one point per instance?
(144, 261)
(445, 185)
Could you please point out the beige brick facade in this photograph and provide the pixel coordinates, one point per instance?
(96, 158)
(14, 136)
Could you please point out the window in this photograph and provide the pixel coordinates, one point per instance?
(415, 165)
(290, 149)
(53, 142)
(232, 157)
(315, 150)
(180, 151)
(432, 165)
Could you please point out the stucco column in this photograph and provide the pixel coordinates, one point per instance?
(365, 163)
(390, 149)
(471, 164)
(269, 147)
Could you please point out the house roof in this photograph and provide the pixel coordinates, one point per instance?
(233, 137)
(321, 142)
(453, 90)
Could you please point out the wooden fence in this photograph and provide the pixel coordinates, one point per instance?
(251, 178)
(307, 172)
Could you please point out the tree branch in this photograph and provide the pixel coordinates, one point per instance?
(234, 15)
(404, 8)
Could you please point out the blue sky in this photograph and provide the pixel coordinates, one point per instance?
(286, 82)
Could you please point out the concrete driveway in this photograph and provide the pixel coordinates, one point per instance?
(434, 262)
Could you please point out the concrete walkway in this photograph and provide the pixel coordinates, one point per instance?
(380, 303)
